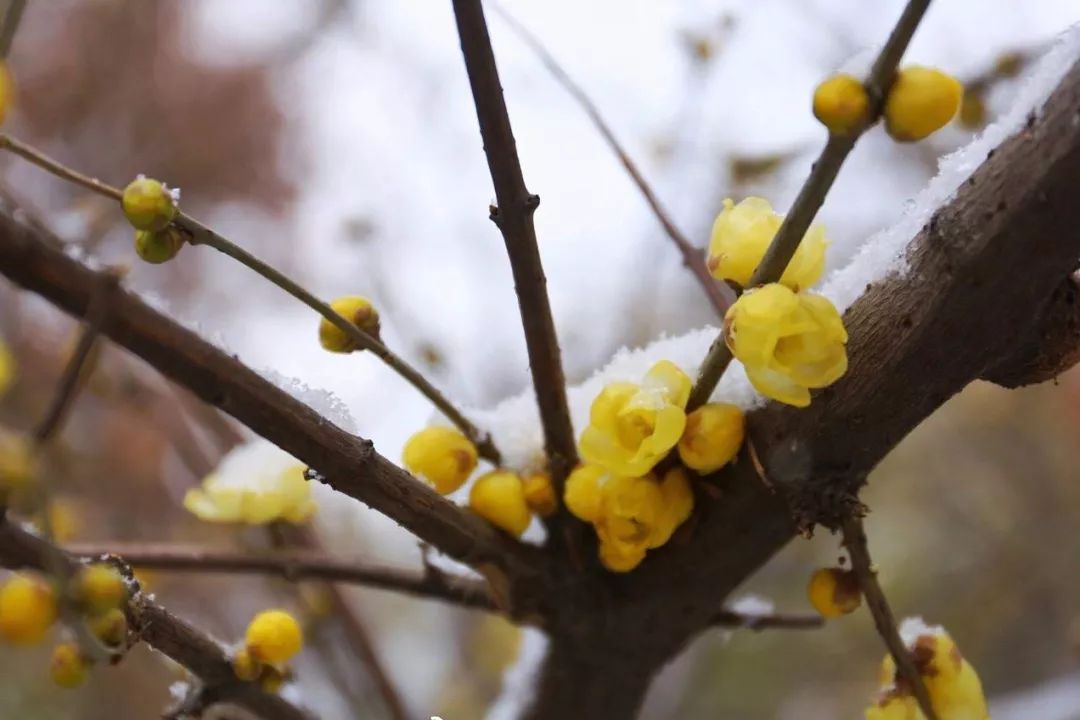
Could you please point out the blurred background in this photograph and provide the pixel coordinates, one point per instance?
(337, 139)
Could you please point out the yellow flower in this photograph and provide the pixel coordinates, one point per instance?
(158, 246)
(834, 592)
(7, 91)
(540, 494)
(27, 609)
(7, 366)
(638, 514)
(18, 466)
(951, 682)
(110, 627)
(255, 484)
(356, 309)
(68, 668)
(740, 236)
(841, 104)
(273, 637)
(713, 436)
(99, 588)
(149, 204)
(921, 101)
(582, 492)
(442, 456)
(499, 498)
(632, 427)
(788, 343)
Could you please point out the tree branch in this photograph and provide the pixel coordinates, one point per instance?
(295, 566)
(855, 542)
(347, 463)
(200, 234)
(514, 217)
(810, 198)
(693, 257)
(12, 16)
(159, 629)
(775, 621)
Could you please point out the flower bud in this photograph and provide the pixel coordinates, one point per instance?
(841, 104)
(109, 627)
(7, 91)
(158, 246)
(834, 592)
(712, 438)
(68, 668)
(149, 204)
(499, 498)
(245, 667)
(540, 494)
(442, 456)
(27, 609)
(921, 101)
(273, 637)
(357, 310)
(98, 588)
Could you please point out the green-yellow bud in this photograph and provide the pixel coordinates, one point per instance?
(148, 204)
(158, 246)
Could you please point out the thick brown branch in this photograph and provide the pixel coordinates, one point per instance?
(347, 463)
(915, 339)
(159, 629)
(295, 566)
(514, 217)
(1050, 347)
(884, 622)
(813, 192)
(693, 258)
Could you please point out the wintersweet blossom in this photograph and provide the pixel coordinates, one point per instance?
(841, 103)
(499, 498)
(951, 682)
(631, 427)
(442, 456)
(921, 101)
(7, 91)
(834, 591)
(27, 608)
(359, 311)
(273, 637)
(148, 204)
(714, 433)
(788, 343)
(742, 233)
(256, 484)
(68, 668)
(631, 515)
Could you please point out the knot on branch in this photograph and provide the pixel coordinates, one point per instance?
(1051, 345)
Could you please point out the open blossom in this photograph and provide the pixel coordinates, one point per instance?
(631, 515)
(788, 343)
(631, 427)
(741, 234)
(951, 682)
(256, 484)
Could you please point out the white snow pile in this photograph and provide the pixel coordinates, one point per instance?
(324, 402)
(515, 422)
(519, 680)
(913, 628)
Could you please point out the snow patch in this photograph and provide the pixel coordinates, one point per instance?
(519, 680)
(324, 402)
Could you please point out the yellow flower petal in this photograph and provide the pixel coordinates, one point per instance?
(582, 493)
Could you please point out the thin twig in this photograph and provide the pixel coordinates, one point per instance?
(514, 218)
(158, 628)
(12, 16)
(814, 190)
(693, 257)
(295, 566)
(855, 541)
(202, 235)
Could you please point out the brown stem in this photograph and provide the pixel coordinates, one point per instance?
(693, 257)
(159, 629)
(813, 192)
(10, 24)
(855, 542)
(514, 217)
(776, 621)
(344, 461)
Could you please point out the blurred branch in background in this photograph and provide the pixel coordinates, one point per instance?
(693, 257)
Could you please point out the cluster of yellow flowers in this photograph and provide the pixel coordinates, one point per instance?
(920, 102)
(150, 207)
(951, 682)
(444, 458)
(29, 608)
(272, 638)
(789, 341)
(631, 429)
